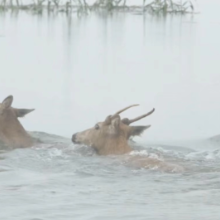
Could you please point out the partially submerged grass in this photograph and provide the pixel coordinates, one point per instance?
(83, 7)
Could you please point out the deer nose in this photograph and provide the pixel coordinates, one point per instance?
(74, 138)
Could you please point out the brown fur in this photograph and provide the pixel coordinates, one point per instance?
(111, 138)
(139, 161)
(12, 133)
(107, 137)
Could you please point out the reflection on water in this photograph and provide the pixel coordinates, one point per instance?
(75, 71)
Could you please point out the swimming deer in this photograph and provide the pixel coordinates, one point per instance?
(111, 136)
(12, 133)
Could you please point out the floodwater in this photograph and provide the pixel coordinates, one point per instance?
(77, 70)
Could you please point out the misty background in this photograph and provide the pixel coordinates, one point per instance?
(76, 71)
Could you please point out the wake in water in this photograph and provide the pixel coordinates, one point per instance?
(56, 173)
(151, 157)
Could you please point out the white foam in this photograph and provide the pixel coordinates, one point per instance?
(145, 153)
(203, 155)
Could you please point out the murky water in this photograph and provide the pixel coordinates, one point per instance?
(75, 72)
(62, 181)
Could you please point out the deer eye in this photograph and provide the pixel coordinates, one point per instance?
(97, 127)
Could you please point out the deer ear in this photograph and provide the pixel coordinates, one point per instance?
(138, 130)
(22, 112)
(7, 102)
(107, 120)
(115, 124)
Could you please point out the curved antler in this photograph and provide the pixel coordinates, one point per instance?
(110, 117)
(124, 109)
(128, 121)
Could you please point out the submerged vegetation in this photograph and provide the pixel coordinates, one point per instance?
(86, 6)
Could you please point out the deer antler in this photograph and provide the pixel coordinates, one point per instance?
(124, 109)
(129, 121)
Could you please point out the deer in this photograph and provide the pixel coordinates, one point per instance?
(111, 137)
(12, 133)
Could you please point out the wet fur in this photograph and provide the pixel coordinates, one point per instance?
(111, 138)
(12, 133)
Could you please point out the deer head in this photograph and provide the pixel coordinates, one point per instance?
(12, 133)
(111, 136)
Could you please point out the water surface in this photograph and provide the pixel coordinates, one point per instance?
(75, 72)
